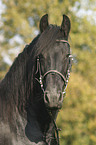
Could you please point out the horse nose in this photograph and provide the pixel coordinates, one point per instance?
(52, 99)
(60, 96)
(46, 97)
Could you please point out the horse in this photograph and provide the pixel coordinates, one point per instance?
(32, 91)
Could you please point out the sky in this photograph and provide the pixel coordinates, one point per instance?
(1, 10)
(1, 7)
(86, 12)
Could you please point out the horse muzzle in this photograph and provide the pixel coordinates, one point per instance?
(54, 100)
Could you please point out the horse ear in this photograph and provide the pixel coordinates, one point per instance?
(65, 26)
(44, 23)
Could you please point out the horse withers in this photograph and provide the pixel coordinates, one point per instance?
(32, 91)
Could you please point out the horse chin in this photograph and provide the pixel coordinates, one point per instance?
(53, 112)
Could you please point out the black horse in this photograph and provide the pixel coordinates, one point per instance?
(32, 91)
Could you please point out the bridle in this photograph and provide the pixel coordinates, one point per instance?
(64, 78)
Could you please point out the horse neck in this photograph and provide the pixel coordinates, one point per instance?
(45, 121)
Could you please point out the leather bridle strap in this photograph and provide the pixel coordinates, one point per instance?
(55, 127)
(64, 41)
(56, 72)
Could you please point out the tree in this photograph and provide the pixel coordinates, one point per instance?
(21, 19)
(21, 23)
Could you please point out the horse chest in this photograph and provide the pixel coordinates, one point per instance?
(9, 138)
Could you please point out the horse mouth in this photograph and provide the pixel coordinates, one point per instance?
(57, 108)
(52, 106)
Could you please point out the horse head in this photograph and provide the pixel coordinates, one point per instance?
(54, 61)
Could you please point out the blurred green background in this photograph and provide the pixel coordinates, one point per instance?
(19, 24)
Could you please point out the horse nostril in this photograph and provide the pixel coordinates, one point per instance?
(46, 99)
(60, 96)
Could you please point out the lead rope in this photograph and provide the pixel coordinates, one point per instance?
(56, 128)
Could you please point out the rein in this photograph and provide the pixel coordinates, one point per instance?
(64, 78)
(56, 128)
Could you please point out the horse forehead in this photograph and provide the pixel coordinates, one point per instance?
(54, 55)
(55, 50)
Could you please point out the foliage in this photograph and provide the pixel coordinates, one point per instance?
(21, 18)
